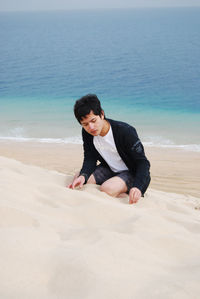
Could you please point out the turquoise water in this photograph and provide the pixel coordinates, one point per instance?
(144, 64)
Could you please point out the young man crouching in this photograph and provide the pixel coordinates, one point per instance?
(123, 166)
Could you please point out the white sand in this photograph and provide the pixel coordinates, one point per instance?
(58, 243)
(172, 170)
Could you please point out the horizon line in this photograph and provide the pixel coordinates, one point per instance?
(97, 8)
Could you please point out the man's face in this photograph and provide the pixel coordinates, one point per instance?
(93, 124)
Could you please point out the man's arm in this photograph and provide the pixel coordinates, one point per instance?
(90, 158)
(140, 164)
(89, 162)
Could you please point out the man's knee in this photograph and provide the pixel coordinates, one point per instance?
(107, 188)
(114, 186)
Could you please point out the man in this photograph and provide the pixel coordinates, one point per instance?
(123, 166)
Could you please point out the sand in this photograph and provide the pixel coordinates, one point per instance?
(172, 170)
(62, 243)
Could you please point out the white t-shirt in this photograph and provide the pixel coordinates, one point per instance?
(106, 147)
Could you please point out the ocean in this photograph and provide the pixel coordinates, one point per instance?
(143, 64)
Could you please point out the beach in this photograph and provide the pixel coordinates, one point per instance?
(58, 243)
(62, 243)
(172, 170)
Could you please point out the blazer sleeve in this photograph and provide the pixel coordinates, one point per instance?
(90, 157)
(139, 163)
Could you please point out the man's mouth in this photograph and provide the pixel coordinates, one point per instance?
(93, 132)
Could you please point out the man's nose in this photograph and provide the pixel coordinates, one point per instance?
(91, 126)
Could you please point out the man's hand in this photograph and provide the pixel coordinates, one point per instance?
(77, 182)
(134, 195)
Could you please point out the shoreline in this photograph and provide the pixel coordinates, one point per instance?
(172, 170)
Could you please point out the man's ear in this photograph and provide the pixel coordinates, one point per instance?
(102, 114)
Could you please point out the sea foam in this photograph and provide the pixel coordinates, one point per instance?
(78, 140)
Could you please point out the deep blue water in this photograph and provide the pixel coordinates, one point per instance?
(144, 64)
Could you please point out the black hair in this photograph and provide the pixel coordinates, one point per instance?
(85, 105)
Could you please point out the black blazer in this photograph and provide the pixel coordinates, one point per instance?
(129, 148)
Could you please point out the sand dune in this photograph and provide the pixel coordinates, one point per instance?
(62, 243)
